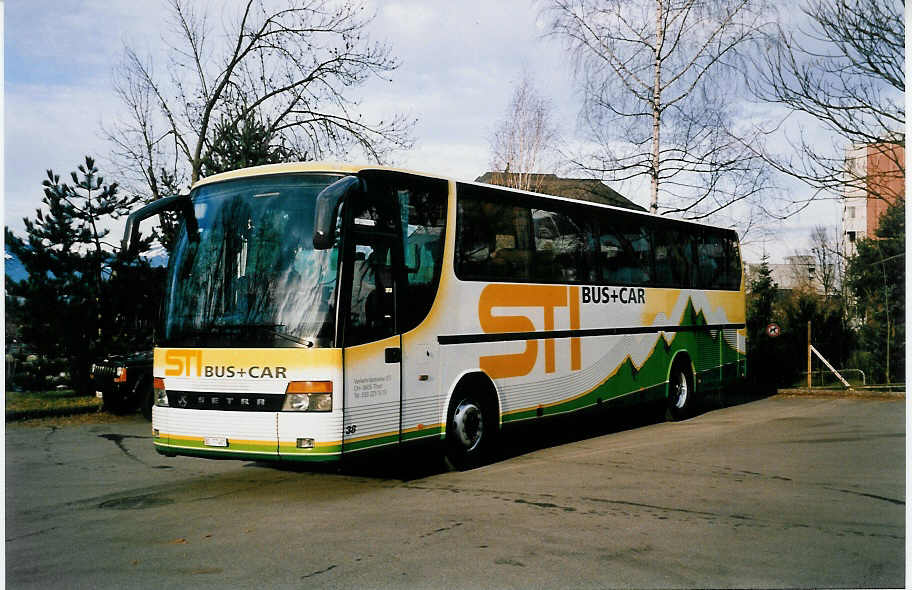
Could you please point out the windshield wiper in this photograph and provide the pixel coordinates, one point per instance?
(289, 337)
(271, 329)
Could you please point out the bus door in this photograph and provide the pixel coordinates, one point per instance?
(372, 352)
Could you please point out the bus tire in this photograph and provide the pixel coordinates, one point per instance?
(681, 393)
(470, 432)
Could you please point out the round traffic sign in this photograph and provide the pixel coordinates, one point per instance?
(773, 330)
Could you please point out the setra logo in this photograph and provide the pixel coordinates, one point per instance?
(547, 297)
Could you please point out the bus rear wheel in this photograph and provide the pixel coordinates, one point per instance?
(681, 394)
(470, 432)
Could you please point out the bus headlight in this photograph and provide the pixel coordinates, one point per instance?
(308, 396)
(158, 392)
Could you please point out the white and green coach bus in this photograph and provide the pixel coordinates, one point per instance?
(315, 311)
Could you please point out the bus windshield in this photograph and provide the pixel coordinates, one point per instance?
(253, 279)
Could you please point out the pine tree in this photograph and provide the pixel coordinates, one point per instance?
(246, 143)
(761, 298)
(66, 299)
(876, 277)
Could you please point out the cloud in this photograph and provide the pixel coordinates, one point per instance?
(59, 60)
(49, 127)
(459, 64)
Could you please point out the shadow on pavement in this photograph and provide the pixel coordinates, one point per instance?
(535, 435)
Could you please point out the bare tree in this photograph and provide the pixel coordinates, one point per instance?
(843, 68)
(829, 262)
(523, 139)
(290, 65)
(660, 82)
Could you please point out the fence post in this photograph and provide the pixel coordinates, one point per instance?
(809, 354)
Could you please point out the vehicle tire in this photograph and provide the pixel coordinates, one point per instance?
(681, 394)
(470, 433)
(146, 397)
(114, 403)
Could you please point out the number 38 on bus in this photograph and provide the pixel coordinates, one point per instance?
(315, 311)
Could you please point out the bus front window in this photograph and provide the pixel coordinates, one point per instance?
(253, 279)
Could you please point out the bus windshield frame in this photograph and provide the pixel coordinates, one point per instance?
(253, 279)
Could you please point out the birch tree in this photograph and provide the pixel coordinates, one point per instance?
(524, 139)
(660, 81)
(292, 66)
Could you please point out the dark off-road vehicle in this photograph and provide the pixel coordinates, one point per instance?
(124, 383)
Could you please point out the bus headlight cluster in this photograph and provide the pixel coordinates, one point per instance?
(160, 395)
(307, 402)
(308, 396)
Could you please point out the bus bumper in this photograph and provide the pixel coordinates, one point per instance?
(250, 436)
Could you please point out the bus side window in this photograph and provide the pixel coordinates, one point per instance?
(423, 208)
(674, 257)
(718, 260)
(494, 240)
(732, 280)
(372, 313)
(711, 261)
(624, 250)
(564, 247)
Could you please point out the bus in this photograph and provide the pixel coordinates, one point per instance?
(316, 311)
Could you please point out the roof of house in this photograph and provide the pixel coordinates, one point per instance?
(582, 189)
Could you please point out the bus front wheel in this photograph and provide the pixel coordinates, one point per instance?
(681, 394)
(470, 432)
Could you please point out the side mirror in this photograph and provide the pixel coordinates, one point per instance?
(180, 203)
(327, 209)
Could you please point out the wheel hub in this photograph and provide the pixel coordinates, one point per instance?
(469, 427)
(680, 391)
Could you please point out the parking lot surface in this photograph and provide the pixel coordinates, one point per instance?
(777, 492)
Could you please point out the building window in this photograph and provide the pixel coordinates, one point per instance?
(850, 212)
(851, 235)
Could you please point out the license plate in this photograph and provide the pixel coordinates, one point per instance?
(215, 441)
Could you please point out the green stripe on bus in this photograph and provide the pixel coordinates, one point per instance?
(285, 449)
(651, 377)
(371, 442)
(389, 439)
(424, 433)
(209, 453)
(265, 447)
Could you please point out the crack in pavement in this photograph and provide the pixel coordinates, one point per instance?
(866, 495)
(323, 571)
(118, 439)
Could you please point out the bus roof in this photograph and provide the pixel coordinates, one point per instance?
(341, 168)
(291, 167)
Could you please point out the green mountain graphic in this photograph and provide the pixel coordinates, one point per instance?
(715, 363)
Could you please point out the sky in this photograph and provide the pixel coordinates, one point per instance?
(459, 64)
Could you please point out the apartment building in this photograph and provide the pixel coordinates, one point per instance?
(875, 178)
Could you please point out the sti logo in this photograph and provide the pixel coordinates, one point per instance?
(547, 297)
(189, 363)
(179, 362)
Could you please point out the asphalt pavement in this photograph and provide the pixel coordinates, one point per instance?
(779, 492)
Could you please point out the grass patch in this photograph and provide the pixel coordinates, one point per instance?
(34, 404)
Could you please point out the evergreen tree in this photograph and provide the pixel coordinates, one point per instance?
(233, 145)
(245, 143)
(66, 300)
(830, 335)
(876, 277)
(760, 299)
